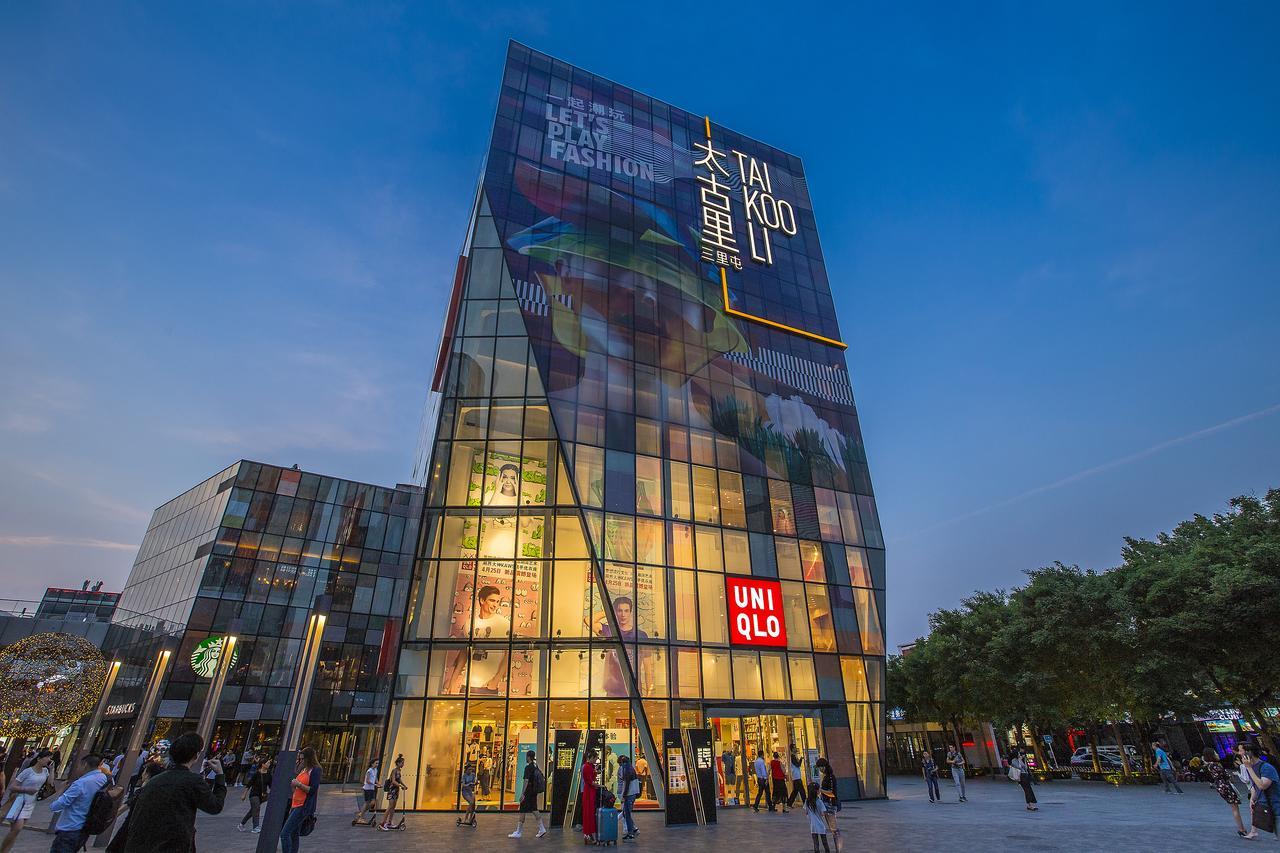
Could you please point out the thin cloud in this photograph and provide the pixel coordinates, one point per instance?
(66, 541)
(1098, 469)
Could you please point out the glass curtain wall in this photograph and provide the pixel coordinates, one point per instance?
(610, 446)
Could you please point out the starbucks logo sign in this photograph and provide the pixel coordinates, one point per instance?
(207, 653)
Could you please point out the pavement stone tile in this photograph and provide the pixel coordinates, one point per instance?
(1074, 815)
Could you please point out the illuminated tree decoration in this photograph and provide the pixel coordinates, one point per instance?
(48, 681)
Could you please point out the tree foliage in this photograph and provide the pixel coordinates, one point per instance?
(1183, 624)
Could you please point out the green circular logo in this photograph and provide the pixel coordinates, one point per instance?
(205, 656)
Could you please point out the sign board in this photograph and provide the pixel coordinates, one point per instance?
(205, 656)
(123, 709)
(755, 612)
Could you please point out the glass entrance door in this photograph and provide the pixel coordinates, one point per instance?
(737, 741)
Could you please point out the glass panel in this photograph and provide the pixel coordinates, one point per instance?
(525, 727)
(710, 557)
(855, 679)
(570, 673)
(650, 537)
(651, 602)
(784, 519)
(859, 571)
(715, 675)
(866, 748)
(773, 672)
(868, 622)
(528, 672)
(569, 604)
(684, 593)
(788, 554)
(438, 773)
(680, 493)
(823, 632)
(648, 485)
(588, 470)
(681, 542)
(746, 675)
(688, 678)
(706, 498)
(737, 552)
(653, 670)
(713, 616)
(804, 686)
(811, 561)
(795, 610)
(483, 733)
(849, 519)
(733, 508)
(532, 579)
(405, 738)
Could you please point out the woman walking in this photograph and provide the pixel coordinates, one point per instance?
(255, 792)
(24, 787)
(392, 787)
(629, 785)
(1220, 779)
(830, 799)
(1020, 772)
(306, 790)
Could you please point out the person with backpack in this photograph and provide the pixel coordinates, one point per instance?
(629, 786)
(534, 784)
(85, 807)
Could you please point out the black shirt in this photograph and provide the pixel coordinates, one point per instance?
(163, 819)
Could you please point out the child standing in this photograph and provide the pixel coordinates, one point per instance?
(468, 788)
(817, 812)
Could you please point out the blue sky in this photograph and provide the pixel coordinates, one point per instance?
(228, 230)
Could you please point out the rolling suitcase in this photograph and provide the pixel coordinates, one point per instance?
(607, 826)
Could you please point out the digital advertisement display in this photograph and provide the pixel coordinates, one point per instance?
(635, 231)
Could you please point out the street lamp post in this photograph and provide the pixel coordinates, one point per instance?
(209, 715)
(141, 724)
(291, 729)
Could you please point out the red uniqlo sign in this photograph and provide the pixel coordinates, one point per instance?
(755, 612)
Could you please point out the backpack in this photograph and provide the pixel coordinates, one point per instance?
(539, 782)
(101, 810)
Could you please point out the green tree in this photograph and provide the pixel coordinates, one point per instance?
(1203, 599)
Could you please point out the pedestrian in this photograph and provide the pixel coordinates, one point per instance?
(817, 813)
(590, 793)
(778, 780)
(392, 788)
(467, 787)
(1020, 772)
(231, 765)
(116, 763)
(955, 760)
(256, 793)
(162, 818)
(306, 790)
(629, 785)
(796, 770)
(929, 769)
(1264, 789)
(1164, 766)
(368, 790)
(761, 771)
(72, 807)
(1221, 781)
(534, 784)
(829, 791)
(23, 790)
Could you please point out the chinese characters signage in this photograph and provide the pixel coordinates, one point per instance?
(755, 612)
(763, 214)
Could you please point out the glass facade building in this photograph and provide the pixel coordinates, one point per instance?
(647, 500)
(246, 552)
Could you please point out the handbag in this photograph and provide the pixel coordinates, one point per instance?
(1015, 775)
(1263, 814)
(308, 825)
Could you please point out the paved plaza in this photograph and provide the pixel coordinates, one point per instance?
(1077, 816)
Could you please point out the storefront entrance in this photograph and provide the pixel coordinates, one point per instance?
(738, 737)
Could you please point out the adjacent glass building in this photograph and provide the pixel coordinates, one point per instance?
(647, 500)
(246, 552)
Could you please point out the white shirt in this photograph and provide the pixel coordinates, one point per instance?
(371, 779)
(30, 781)
(491, 627)
(795, 772)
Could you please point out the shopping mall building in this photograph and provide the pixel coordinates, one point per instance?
(645, 503)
